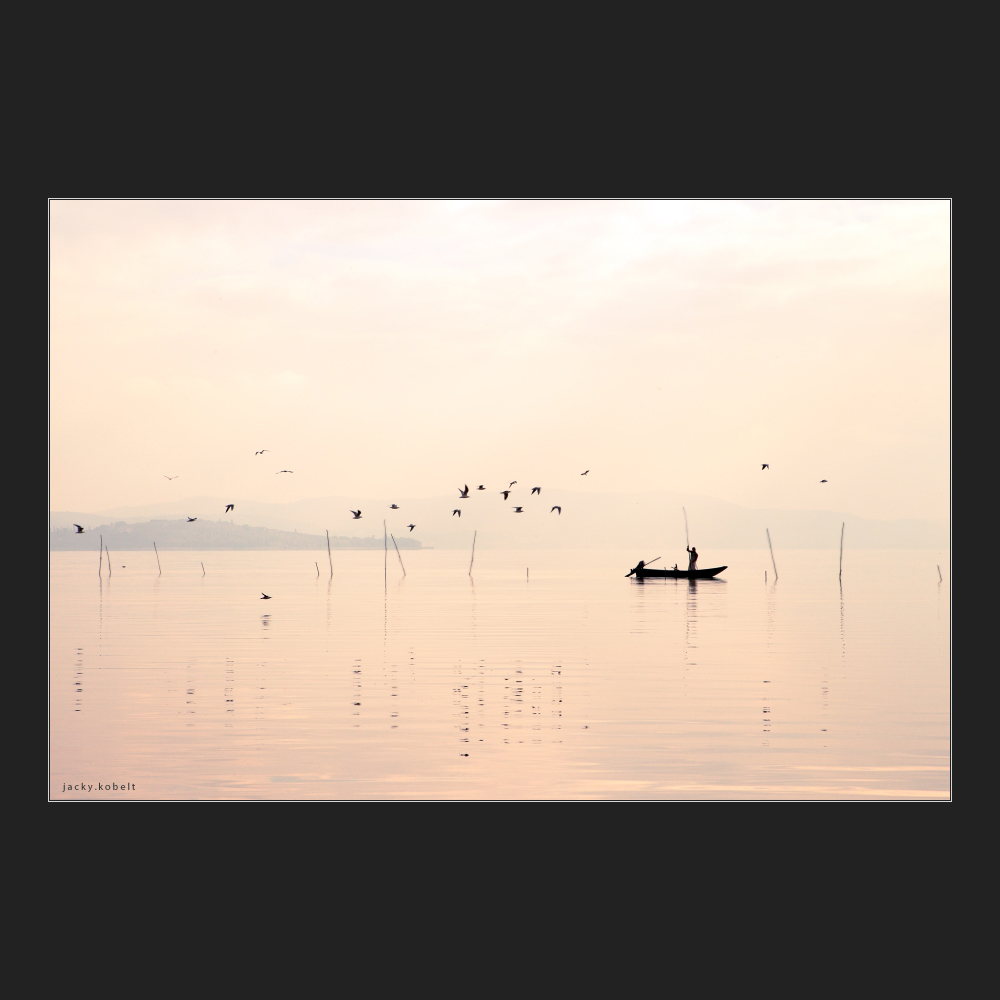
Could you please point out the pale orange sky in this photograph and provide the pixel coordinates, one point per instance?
(401, 348)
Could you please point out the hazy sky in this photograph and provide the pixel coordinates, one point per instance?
(401, 349)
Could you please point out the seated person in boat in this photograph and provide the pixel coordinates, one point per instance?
(692, 558)
(639, 565)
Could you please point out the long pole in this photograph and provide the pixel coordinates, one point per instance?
(100, 561)
(687, 538)
(385, 558)
(158, 566)
(841, 573)
(396, 547)
(771, 547)
(472, 560)
(328, 553)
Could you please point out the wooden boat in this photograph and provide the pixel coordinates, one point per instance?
(678, 574)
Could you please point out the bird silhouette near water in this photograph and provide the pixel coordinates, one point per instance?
(536, 489)
(480, 487)
(261, 452)
(278, 473)
(584, 473)
(558, 509)
(514, 483)
(411, 526)
(190, 519)
(454, 512)
(79, 528)
(520, 510)
(764, 466)
(464, 491)
(264, 597)
(822, 480)
(171, 477)
(229, 507)
(505, 493)
(356, 513)
(393, 506)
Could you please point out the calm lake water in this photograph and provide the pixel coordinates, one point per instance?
(569, 683)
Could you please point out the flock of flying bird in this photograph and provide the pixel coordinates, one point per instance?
(463, 494)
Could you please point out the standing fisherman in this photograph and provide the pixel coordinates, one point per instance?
(692, 558)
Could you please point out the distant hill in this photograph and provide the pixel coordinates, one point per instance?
(588, 520)
(204, 536)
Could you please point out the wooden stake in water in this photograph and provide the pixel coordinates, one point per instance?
(396, 547)
(841, 573)
(100, 561)
(527, 574)
(158, 566)
(328, 552)
(940, 577)
(317, 569)
(473, 559)
(772, 554)
(109, 561)
(385, 558)
(202, 569)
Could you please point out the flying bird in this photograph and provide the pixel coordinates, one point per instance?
(261, 452)
(79, 528)
(356, 513)
(506, 493)
(454, 512)
(558, 509)
(822, 480)
(411, 526)
(480, 487)
(520, 510)
(229, 507)
(464, 491)
(192, 519)
(584, 473)
(278, 473)
(171, 477)
(536, 489)
(265, 597)
(514, 483)
(764, 466)
(393, 506)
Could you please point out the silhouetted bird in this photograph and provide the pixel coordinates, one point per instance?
(536, 489)
(79, 528)
(356, 513)
(514, 483)
(261, 452)
(278, 473)
(411, 526)
(464, 490)
(558, 509)
(506, 493)
(520, 510)
(192, 519)
(764, 466)
(393, 506)
(229, 507)
(264, 597)
(171, 477)
(480, 487)
(822, 480)
(454, 512)
(584, 473)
